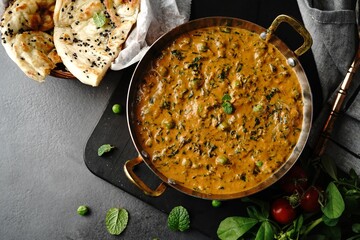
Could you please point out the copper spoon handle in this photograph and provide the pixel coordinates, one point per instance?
(336, 108)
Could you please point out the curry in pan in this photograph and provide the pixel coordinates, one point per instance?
(219, 110)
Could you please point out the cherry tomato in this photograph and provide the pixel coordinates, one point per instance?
(310, 200)
(295, 180)
(282, 211)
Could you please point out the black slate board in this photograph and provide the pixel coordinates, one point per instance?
(113, 129)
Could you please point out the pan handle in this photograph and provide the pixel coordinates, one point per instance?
(128, 169)
(298, 27)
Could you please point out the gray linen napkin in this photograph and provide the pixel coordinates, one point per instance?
(332, 24)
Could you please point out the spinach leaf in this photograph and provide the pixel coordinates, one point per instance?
(335, 205)
(329, 166)
(265, 232)
(232, 228)
(116, 220)
(264, 206)
(253, 212)
(356, 227)
(329, 221)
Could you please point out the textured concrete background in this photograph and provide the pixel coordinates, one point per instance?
(43, 178)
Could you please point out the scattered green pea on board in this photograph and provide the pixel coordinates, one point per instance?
(83, 210)
(116, 108)
(216, 203)
(104, 149)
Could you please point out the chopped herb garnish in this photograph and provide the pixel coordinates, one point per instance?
(228, 108)
(177, 54)
(99, 19)
(104, 149)
(226, 105)
(259, 163)
(272, 93)
(239, 67)
(226, 98)
(258, 108)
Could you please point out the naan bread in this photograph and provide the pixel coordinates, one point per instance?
(86, 49)
(23, 34)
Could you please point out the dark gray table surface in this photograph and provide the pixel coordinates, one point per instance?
(43, 132)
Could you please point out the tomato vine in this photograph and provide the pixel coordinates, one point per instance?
(301, 208)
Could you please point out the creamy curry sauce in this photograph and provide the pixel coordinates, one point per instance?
(219, 110)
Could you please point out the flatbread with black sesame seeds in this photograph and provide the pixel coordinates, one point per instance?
(24, 26)
(88, 35)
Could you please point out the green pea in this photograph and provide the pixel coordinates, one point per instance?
(116, 108)
(82, 210)
(222, 160)
(216, 203)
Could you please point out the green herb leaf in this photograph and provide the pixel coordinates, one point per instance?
(329, 221)
(227, 107)
(264, 206)
(265, 232)
(116, 220)
(226, 98)
(335, 205)
(179, 219)
(298, 223)
(356, 227)
(177, 54)
(104, 149)
(329, 166)
(232, 228)
(99, 19)
(331, 233)
(258, 108)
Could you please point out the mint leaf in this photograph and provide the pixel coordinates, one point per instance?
(179, 219)
(232, 228)
(116, 220)
(99, 19)
(104, 149)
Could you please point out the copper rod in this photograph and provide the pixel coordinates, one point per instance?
(336, 108)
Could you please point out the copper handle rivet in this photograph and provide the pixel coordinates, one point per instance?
(145, 154)
(291, 62)
(263, 35)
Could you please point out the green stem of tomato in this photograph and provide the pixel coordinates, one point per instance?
(312, 225)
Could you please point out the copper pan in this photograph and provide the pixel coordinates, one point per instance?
(265, 34)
